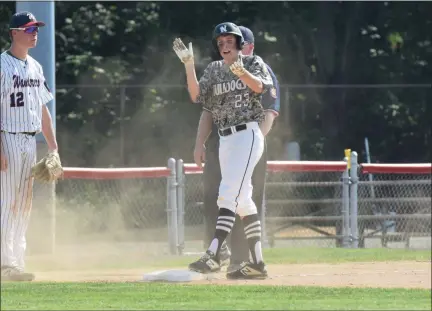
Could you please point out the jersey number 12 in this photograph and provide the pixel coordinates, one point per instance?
(17, 99)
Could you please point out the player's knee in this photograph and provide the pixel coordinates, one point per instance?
(245, 210)
(223, 202)
(227, 197)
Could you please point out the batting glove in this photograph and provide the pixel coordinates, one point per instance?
(237, 68)
(185, 54)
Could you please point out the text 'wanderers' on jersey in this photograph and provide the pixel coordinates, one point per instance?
(229, 100)
(23, 93)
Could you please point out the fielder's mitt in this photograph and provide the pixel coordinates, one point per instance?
(48, 169)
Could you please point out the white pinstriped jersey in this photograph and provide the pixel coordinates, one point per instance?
(23, 93)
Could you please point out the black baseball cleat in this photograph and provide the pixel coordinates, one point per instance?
(12, 274)
(206, 264)
(234, 265)
(248, 271)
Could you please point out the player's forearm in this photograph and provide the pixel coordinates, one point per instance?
(267, 124)
(204, 128)
(48, 129)
(252, 82)
(192, 81)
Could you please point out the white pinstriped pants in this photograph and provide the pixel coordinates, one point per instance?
(16, 196)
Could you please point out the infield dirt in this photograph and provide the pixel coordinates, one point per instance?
(80, 260)
(373, 274)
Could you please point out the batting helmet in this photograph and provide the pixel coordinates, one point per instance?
(225, 29)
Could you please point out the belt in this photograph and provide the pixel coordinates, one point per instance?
(25, 133)
(233, 129)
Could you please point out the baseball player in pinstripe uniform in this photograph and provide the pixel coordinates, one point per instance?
(24, 95)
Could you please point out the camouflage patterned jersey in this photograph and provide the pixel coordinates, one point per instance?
(229, 100)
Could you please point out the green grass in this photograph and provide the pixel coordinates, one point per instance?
(339, 255)
(272, 256)
(321, 255)
(159, 296)
(144, 296)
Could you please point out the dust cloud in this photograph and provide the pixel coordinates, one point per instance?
(89, 235)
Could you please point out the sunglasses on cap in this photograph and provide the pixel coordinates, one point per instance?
(28, 30)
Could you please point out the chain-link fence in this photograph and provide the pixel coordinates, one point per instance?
(306, 203)
(394, 208)
(109, 205)
(320, 204)
(290, 198)
(104, 206)
(329, 204)
(298, 205)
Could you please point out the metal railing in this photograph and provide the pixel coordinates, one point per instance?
(326, 204)
(347, 211)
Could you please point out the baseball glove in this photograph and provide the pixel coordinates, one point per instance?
(48, 169)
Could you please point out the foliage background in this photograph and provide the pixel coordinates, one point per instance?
(101, 45)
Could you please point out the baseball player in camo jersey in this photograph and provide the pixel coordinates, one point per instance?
(231, 91)
(208, 150)
(24, 95)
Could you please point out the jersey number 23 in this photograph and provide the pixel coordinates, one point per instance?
(241, 98)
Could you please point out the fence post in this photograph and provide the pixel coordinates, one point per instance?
(53, 223)
(265, 242)
(180, 205)
(354, 200)
(122, 117)
(172, 207)
(345, 206)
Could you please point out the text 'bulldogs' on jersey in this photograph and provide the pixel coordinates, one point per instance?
(229, 100)
(23, 92)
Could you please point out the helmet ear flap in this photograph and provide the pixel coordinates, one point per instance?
(215, 55)
(240, 43)
(215, 46)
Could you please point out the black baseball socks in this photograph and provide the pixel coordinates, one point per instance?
(224, 225)
(252, 228)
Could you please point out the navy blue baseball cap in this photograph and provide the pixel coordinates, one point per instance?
(24, 19)
(247, 34)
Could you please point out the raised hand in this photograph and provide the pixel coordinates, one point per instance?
(185, 54)
(237, 68)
